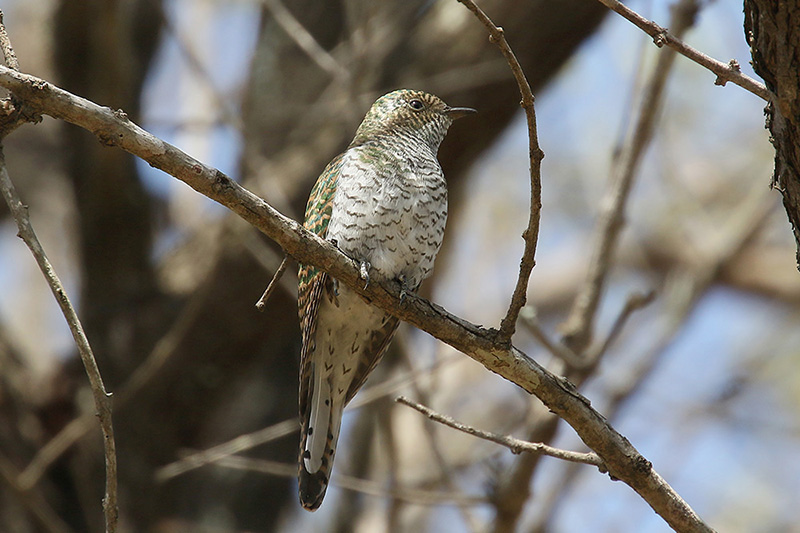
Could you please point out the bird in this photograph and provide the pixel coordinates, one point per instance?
(383, 203)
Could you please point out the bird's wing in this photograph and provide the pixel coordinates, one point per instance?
(313, 281)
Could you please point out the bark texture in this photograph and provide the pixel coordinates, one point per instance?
(773, 32)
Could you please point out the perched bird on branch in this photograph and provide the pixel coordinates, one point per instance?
(383, 202)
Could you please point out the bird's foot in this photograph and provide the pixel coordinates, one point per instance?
(405, 288)
(364, 272)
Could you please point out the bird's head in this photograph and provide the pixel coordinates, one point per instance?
(407, 112)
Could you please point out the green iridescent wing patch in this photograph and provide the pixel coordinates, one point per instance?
(311, 279)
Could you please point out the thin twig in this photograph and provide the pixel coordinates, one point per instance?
(529, 320)
(303, 38)
(114, 128)
(725, 71)
(226, 105)
(578, 328)
(226, 449)
(261, 304)
(683, 292)
(442, 464)
(531, 234)
(54, 448)
(635, 301)
(364, 486)
(144, 373)
(270, 260)
(516, 446)
(102, 399)
(250, 440)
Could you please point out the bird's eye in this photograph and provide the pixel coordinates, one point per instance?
(416, 105)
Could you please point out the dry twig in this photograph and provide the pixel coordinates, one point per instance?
(577, 330)
(364, 486)
(261, 304)
(250, 440)
(516, 446)
(305, 40)
(531, 234)
(102, 399)
(725, 71)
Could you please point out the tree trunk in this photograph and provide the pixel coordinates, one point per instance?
(773, 32)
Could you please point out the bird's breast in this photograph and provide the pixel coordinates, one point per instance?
(391, 215)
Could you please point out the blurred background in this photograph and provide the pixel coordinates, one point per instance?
(704, 381)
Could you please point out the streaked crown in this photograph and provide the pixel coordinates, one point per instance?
(407, 112)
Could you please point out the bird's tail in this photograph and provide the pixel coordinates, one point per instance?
(320, 432)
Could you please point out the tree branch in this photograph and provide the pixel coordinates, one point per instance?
(305, 40)
(364, 486)
(114, 129)
(516, 446)
(725, 71)
(578, 328)
(262, 302)
(102, 399)
(531, 234)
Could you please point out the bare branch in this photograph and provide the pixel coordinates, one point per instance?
(102, 399)
(305, 40)
(635, 301)
(364, 486)
(143, 374)
(19, 211)
(725, 71)
(624, 462)
(577, 330)
(531, 234)
(529, 320)
(226, 449)
(245, 442)
(516, 446)
(261, 304)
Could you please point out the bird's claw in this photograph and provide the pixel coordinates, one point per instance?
(404, 288)
(364, 272)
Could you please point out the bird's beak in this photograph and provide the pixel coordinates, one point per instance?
(458, 112)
